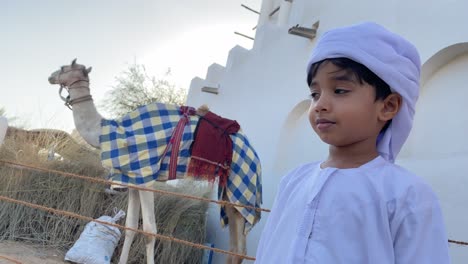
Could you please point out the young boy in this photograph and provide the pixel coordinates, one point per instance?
(357, 206)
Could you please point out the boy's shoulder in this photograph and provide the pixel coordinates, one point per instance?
(390, 180)
(401, 182)
(399, 173)
(299, 173)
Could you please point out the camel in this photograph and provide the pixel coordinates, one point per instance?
(89, 124)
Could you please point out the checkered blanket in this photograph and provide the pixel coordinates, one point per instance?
(133, 147)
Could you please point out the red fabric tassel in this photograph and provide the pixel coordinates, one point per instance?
(211, 150)
(208, 171)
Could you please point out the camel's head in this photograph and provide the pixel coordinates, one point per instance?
(69, 74)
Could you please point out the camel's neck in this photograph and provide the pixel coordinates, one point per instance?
(87, 119)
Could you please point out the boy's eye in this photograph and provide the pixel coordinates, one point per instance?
(341, 91)
(314, 95)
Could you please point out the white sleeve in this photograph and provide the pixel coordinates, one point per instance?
(273, 236)
(420, 237)
(269, 226)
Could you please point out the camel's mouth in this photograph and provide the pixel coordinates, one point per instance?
(52, 80)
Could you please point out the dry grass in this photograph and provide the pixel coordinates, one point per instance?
(181, 218)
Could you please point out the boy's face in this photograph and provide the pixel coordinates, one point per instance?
(343, 111)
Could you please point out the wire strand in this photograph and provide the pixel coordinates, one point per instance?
(89, 219)
(10, 259)
(101, 181)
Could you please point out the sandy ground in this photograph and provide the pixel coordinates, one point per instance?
(29, 253)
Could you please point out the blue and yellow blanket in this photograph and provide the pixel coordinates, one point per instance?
(133, 146)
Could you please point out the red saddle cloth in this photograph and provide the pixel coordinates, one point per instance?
(211, 151)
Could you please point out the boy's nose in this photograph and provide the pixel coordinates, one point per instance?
(322, 104)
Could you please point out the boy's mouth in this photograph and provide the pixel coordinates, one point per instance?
(323, 123)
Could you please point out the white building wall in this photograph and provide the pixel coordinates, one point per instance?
(264, 89)
(437, 148)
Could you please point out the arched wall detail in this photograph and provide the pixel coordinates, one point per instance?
(430, 73)
(437, 148)
(296, 113)
(298, 143)
(441, 58)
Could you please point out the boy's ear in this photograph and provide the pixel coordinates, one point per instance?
(390, 107)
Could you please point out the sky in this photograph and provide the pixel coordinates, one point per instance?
(38, 37)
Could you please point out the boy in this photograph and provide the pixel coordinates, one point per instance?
(356, 206)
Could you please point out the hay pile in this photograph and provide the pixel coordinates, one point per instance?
(181, 218)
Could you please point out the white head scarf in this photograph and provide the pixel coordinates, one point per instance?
(388, 55)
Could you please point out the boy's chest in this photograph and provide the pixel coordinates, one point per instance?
(331, 203)
(343, 211)
(332, 193)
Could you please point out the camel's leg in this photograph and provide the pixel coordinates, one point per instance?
(149, 223)
(133, 213)
(237, 238)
